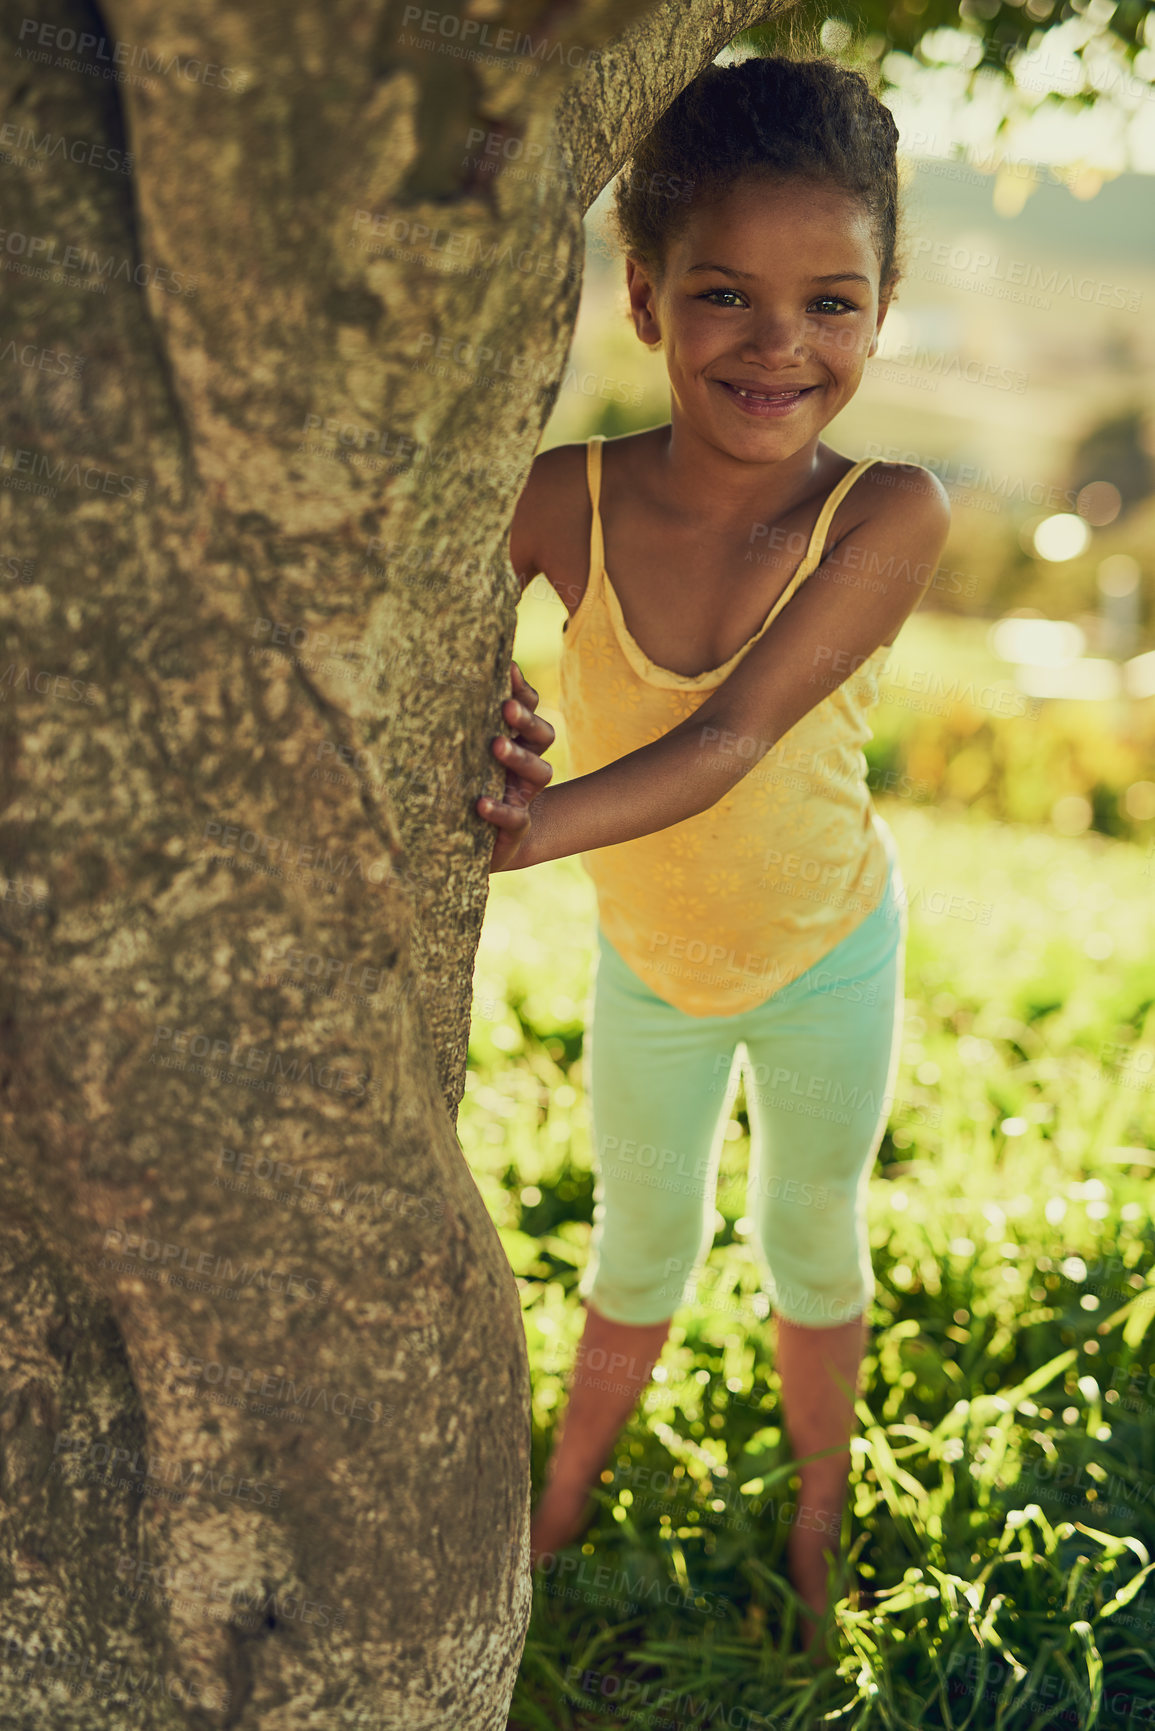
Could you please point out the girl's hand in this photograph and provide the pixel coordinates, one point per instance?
(526, 774)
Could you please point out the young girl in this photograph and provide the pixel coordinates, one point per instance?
(733, 586)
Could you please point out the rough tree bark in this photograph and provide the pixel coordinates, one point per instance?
(263, 1390)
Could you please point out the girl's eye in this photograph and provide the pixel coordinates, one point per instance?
(827, 303)
(710, 293)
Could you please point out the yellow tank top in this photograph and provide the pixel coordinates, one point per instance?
(718, 912)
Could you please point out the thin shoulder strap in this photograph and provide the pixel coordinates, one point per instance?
(834, 499)
(594, 482)
(818, 538)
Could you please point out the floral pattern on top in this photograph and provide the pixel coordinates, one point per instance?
(758, 888)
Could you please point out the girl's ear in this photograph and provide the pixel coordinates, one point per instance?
(640, 289)
(883, 309)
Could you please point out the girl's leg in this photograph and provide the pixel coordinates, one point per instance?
(600, 1402)
(822, 1062)
(814, 1363)
(662, 1085)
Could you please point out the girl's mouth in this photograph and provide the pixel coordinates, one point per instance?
(764, 404)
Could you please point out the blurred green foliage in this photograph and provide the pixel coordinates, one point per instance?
(952, 731)
(1000, 26)
(1002, 1502)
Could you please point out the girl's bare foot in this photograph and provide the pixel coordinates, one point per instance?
(818, 1592)
(562, 1513)
(812, 1621)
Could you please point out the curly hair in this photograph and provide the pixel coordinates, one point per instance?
(768, 116)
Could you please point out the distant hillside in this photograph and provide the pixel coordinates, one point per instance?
(1117, 224)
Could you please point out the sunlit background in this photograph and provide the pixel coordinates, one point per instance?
(1007, 1404)
(1037, 275)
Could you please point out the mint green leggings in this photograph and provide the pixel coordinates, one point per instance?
(819, 1059)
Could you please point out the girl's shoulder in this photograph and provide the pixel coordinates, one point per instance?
(545, 530)
(895, 486)
(550, 532)
(890, 510)
(889, 497)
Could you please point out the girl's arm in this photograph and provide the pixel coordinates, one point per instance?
(526, 771)
(854, 601)
(523, 756)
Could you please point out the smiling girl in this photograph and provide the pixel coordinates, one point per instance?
(733, 585)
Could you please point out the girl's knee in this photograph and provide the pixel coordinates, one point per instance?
(818, 1260)
(656, 1274)
(795, 1193)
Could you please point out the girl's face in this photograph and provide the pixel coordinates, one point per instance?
(773, 291)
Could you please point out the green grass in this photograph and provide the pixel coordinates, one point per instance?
(1002, 1499)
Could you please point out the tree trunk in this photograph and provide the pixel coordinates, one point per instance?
(264, 1417)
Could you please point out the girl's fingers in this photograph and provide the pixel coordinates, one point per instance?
(502, 816)
(521, 688)
(538, 733)
(537, 773)
(534, 729)
(517, 759)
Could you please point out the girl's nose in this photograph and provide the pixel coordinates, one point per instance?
(777, 337)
